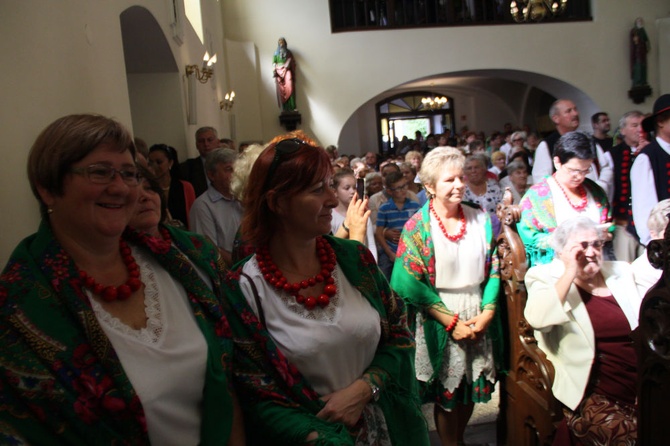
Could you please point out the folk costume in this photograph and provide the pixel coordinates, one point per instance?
(545, 206)
(279, 399)
(63, 381)
(430, 270)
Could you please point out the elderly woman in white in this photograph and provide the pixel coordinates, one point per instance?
(583, 311)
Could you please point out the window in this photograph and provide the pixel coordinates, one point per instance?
(402, 115)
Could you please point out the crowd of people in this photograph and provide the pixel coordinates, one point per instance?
(286, 294)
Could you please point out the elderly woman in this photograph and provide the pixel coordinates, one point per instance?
(447, 272)
(110, 336)
(564, 195)
(583, 311)
(498, 161)
(482, 190)
(516, 179)
(325, 354)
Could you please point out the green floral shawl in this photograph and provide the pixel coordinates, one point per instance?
(62, 382)
(414, 279)
(279, 404)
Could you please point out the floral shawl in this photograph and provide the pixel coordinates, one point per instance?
(279, 404)
(414, 279)
(538, 218)
(61, 380)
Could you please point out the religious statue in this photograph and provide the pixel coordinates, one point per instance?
(639, 47)
(283, 72)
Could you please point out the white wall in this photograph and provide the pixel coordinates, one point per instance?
(68, 58)
(337, 73)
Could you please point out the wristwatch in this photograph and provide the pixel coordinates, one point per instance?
(376, 391)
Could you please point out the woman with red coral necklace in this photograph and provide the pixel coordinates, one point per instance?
(111, 336)
(325, 354)
(447, 271)
(566, 194)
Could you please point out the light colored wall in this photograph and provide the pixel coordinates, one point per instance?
(338, 73)
(68, 58)
(156, 108)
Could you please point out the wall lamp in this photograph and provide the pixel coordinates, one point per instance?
(228, 101)
(205, 72)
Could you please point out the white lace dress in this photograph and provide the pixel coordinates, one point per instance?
(460, 270)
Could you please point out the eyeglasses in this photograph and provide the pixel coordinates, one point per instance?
(102, 174)
(282, 148)
(597, 244)
(517, 139)
(403, 187)
(578, 172)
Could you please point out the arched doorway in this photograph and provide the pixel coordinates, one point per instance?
(154, 82)
(402, 115)
(484, 101)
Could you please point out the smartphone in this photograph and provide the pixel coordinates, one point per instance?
(360, 188)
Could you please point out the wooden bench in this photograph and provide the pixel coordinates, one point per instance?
(652, 342)
(529, 413)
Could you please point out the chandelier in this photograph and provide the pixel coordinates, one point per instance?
(433, 102)
(536, 10)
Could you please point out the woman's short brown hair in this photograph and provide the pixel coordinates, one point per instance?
(293, 173)
(66, 141)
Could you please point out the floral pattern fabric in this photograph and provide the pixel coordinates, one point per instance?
(538, 218)
(280, 404)
(61, 381)
(414, 279)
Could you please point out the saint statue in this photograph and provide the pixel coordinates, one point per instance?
(639, 47)
(283, 72)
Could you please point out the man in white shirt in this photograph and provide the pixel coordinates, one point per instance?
(650, 180)
(565, 116)
(626, 245)
(216, 213)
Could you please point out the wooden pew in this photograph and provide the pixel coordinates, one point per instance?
(529, 413)
(652, 343)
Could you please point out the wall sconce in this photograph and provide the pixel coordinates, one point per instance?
(205, 72)
(228, 101)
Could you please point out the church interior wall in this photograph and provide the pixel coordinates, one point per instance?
(69, 59)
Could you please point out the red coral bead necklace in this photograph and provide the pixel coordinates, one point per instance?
(461, 216)
(582, 195)
(122, 292)
(275, 277)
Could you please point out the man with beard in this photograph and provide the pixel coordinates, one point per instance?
(601, 127)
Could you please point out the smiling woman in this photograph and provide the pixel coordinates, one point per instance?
(583, 310)
(113, 369)
(325, 352)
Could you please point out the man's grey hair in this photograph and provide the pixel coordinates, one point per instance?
(202, 130)
(217, 156)
(630, 114)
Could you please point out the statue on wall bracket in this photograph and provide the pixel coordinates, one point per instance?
(283, 72)
(639, 48)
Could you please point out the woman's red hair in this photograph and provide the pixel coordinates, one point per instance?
(294, 173)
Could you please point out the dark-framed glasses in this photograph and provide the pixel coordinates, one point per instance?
(103, 174)
(283, 148)
(403, 187)
(596, 244)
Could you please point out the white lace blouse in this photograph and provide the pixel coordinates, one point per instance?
(165, 361)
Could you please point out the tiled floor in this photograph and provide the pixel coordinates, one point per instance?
(481, 429)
